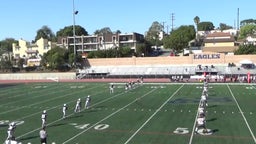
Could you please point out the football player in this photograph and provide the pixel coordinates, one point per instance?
(10, 131)
(44, 117)
(201, 110)
(206, 84)
(205, 93)
(78, 105)
(111, 88)
(126, 86)
(141, 80)
(64, 109)
(203, 100)
(201, 123)
(87, 102)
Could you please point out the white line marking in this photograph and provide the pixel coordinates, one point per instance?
(247, 124)
(28, 98)
(194, 126)
(69, 115)
(105, 118)
(154, 114)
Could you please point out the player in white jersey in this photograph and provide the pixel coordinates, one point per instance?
(111, 88)
(44, 117)
(204, 100)
(205, 90)
(126, 87)
(78, 105)
(10, 131)
(64, 109)
(87, 102)
(201, 110)
(200, 123)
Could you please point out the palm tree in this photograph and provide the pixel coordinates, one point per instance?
(197, 21)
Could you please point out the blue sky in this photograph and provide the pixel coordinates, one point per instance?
(22, 18)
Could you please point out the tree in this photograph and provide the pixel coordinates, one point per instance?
(247, 21)
(68, 31)
(141, 50)
(105, 30)
(5, 64)
(153, 32)
(111, 53)
(46, 33)
(21, 62)
(117, 32)
(205, 26)
(196, 21)
(247, 30)
(180, 37)
(245, 50)
(224, 26)
(54, 59)
(6, 48)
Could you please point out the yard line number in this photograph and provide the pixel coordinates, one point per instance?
(84, 126)
(180, 130)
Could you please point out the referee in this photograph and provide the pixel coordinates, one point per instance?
(43, 136)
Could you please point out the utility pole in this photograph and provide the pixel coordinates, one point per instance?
(172, 20)
(74, 31)
(163, 26)
(238, 23)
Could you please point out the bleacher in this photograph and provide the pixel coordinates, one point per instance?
(161, 71)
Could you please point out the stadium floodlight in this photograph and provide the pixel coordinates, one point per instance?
(75, 12)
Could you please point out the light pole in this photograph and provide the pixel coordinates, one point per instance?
(74, 32)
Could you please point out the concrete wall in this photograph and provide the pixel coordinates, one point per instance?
(208, 59)
(37, 76)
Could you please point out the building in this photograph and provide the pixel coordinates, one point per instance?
(26, 49)
(250, 40)
(101, 42)
(31, 51)
(220, 42)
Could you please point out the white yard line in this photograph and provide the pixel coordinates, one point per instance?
(58, 106)
(67, 115)
(39, 102)
(194, 126)
(35, 103)
(135, 133)
(25, 94)
(245, 120)
(70, 139)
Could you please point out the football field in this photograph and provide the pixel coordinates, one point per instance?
(149, 113)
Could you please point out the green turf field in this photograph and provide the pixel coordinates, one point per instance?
(148, 114)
